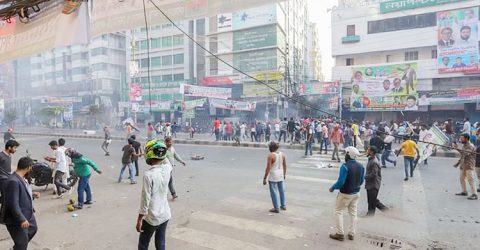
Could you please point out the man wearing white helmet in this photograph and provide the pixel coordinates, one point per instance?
(350, 179)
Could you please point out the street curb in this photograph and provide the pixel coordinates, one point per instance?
(447, 154)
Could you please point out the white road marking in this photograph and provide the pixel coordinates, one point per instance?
(212, 241)
(310, 179)
(279, 231)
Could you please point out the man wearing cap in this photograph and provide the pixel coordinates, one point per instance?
(349, 182)
(373, 180)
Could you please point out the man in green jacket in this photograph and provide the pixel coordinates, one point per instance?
(82, 165)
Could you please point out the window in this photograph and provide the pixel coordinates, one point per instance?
(434, 54)
(166, 60)
(141, 45)
(388, 58)
(402, 23)
(79, 71)
(411, 55)
(178, 77)
(178, 40)
(167, 78)
(349, 61)
(167, 42)
(99, 51)
(156, 61)
(99, 66)
(155, 43)
(178, 59)
(350, 30)
(143, 63)
(156, 79)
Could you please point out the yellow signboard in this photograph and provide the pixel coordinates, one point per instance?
(261, 90)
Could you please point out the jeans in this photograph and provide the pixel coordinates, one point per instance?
(348, 142)
(284, 133)
(335, 151)
(147, 233)
(277, 189)
(308, 147)
(292, 135)
(131, 172)
(84, 187)
(385, 156)
(350, 202)
(276, 134)
(373, 202)
(170, 185)
(253, 136)
(135, 163)
(58, 181)
(21, 237)
(217, 134)
(323, 142)
(408, 161)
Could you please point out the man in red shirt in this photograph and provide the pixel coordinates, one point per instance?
(216, 128)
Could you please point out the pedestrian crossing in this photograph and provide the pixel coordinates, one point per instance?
(242, 221)
(321, 162)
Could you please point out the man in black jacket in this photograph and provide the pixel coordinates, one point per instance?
(378, 142)
(291, 128)
(17, 210)
(6, 162)
(373, 180)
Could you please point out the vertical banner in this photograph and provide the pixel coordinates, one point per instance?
(385, 88)
(434, 135)
(135, 93)
(68, 113)
(457, 40)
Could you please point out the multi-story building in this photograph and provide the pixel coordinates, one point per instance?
(314, 56)
(174, 60)
(431, 46)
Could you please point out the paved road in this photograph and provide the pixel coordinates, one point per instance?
(223, 205)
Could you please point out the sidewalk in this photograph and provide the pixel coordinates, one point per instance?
(182, 138)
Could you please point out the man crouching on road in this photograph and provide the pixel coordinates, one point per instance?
(349, 181)
(154, 211)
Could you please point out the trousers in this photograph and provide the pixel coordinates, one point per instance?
(350, 202)
(21, 237)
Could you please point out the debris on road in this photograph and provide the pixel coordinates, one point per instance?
(197, 157)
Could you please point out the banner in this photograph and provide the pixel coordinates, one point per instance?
(232, 105)
(268, 76)
(110, 16)
(258, 16)
(457, 40)
(399, 5)
(224, 22)
(193, 90)
(260, 90)
(135, 93)
(189, 114)
(220, 80)
(434, 135)
(318, 88)
(454, 96)
(194, 103)
(255, 38)
(384, 88)
(156, 106)
(68, 113)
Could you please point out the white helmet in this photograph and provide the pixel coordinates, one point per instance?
(353, 152)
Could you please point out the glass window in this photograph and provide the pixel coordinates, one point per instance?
(156, 61)
(349, 61)
(167, 60)
(403, 23)
(350, 30)
(155, 43)
(167, 78)
(411, 55)
(178, 77)
(434, 54)
(178, 59)
(166, 42)
(177, 40)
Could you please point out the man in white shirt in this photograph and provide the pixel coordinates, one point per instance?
(61, 167)
(277, 130)
(154, 212)
(467, 127)
(243, 128)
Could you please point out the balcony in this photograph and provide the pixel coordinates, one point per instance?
(350, 39)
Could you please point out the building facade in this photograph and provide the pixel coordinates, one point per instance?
(375, 41)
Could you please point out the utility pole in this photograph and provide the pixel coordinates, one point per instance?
(340, 99)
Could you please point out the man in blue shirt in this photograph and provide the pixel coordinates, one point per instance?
(351, 177)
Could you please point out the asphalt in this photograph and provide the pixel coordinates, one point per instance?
(223, 205)
(181, 138)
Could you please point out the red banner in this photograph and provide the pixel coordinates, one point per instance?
(216, 80)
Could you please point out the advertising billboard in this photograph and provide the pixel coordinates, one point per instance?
(254, 61)
(232, 105)
(265, 36)
(260, 90)
(457, 38)
(263, 15)
(384, 88)
(400, 5)
(318, 88)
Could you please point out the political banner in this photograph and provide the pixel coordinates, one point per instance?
(189, 114)
(457, 40)
(261, 90)
(220, 80)
(385, 88)
(193, 90)
(135, 93)
(433, 135)
(318, 88)
(232, 105)
(446, 97)
(194, 103)
(68, 113)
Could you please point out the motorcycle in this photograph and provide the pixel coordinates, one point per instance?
(42, 175)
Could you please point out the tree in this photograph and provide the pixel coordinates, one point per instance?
(10, 116)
